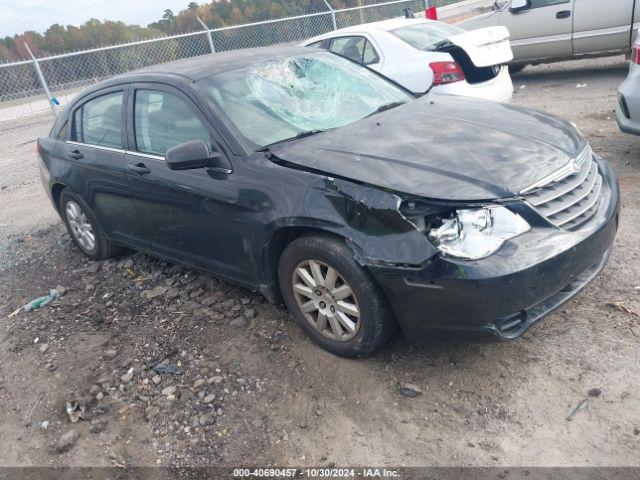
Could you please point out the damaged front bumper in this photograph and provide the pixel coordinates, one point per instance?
(506, 293)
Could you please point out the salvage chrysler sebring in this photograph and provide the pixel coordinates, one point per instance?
(316, 181)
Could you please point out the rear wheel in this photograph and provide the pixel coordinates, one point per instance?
(513, 69)
(84, 228)
(333, 298)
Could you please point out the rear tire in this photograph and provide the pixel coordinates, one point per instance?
(515, 69)
(333, 298)
(84, 229)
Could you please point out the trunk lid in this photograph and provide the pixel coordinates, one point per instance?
(485, 47)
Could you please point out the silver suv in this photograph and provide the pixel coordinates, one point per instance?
(628, 111)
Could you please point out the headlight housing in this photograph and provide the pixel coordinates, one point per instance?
(472, 234)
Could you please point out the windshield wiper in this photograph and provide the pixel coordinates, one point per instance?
(386, 106)
(300, 135)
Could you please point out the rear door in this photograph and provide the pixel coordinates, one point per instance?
(192, 215)
(95, 147)
(601, 26)
(542, 31)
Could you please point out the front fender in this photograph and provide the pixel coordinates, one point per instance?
(366, 218)
(373, 222)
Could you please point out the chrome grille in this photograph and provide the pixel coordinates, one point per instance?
(573, 200)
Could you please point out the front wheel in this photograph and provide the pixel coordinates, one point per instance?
(333, 298)
(84, 228)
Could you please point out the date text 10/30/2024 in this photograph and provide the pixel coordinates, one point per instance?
(328, 473)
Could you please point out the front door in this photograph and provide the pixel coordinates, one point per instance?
(541, 31)
(600, 26)
(191, 215)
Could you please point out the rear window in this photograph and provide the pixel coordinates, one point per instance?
(424, 36)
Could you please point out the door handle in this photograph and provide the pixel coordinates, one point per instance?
(139, 168)
(563, 14)
(76, 155)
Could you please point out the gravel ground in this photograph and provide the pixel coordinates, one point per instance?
(24, 204)
(170, 367)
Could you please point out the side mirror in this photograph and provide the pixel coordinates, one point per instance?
(519, 5)
(192, 155)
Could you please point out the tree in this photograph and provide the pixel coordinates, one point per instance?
(5, 53)
(217, 13)
(55, 39)
(168, 18)
(33, 40)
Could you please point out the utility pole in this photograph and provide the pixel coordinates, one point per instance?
(52, 101)
(333, 15)
(204, 25)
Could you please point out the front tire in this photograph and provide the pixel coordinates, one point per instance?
(333, 298)
(84, 228)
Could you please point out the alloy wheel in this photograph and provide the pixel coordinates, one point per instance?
(326, 300)
(81, 228)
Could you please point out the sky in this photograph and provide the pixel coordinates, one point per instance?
(17, 16)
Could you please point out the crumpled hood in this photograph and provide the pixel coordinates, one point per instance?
(452, 148)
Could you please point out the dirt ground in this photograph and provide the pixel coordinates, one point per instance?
(251, 389)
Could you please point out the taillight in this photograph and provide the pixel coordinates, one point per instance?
(635, 54)
(446, 72)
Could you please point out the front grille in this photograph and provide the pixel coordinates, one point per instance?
(570, 202)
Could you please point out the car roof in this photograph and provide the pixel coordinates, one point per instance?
(196, 68)
(383, 25)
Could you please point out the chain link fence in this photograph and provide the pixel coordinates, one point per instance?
(66, 74)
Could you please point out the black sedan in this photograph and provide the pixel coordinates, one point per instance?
(318, 182)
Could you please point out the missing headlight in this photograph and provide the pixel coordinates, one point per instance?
(424, 216)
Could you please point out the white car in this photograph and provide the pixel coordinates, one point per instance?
(426, 55)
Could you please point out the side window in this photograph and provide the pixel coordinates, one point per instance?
(316, 44)
(63, 134)
(370, 56)
(358, 49)
(350, 47)
(76, 128)
(546, 3)
(163, 120)
(99, 121)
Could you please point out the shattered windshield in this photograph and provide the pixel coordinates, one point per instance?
(424, 36)
(285, 97)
